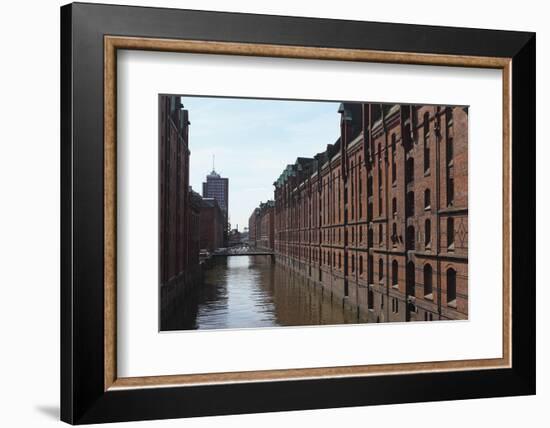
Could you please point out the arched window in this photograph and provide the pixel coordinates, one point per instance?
(370, 267)
(360, 265)
(449, 116)
(427, 199)
(450, 233)
(370, 237)
(426, 124)
(427, 233)
(394, 207)
(449, 149)
(393, 153)
(352, 190)
(427, 280)
(410, 204)
(380, 270)
(394, 273)
(450, 187)
(370, 299)
(339, 260)
(409, 170)
(394, 233)
(380, 234)
(407, 140)
(353, 263)
(410, 279)
(411, 244)
(451, 285)
(426, 143)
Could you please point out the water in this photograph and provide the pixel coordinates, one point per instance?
(254, 291)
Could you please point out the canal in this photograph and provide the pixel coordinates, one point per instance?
(252, 292)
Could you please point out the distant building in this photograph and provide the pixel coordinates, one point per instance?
(195, 204)
(253, 222)
(217, 187)
(235, 238)
(244, 236)
(212, 223)
(261, 224)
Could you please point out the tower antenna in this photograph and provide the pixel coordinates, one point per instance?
(213, 160)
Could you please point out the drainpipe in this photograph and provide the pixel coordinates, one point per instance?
(437, 198)
(369, 225)
(329, 216)
(309, 223)
(386, 207)
(343, 167)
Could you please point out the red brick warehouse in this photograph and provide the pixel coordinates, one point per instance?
(177, 260)
(380, 218)
(212, 224)
(187, 222)
(261, 227)
(173, 189)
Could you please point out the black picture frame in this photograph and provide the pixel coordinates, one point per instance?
(83, 396)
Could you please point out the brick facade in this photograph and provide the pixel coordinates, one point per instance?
(174, 184)
(253, 224)
(187, 222)
(195, 205)
(212, 223)
(179, 210)
(380, 218)
(261, 227)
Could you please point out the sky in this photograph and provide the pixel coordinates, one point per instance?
(253, 141)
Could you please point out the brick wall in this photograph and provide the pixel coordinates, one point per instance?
(261, 227)
(174, 184)
(212, 222)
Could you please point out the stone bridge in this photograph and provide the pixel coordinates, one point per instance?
(242, 251)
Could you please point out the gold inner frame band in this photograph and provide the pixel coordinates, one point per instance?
(113, 43)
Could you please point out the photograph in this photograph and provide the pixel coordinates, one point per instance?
(278, 212)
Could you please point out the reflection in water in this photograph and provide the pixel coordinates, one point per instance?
(253, 291)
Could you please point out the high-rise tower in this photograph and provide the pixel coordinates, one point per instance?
(217, 187)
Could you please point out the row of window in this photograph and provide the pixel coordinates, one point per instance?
(410, 200)
(409, 169)
(410, 274)
(410, 235)
(410, 205)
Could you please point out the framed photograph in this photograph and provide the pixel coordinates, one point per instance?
(266, 213)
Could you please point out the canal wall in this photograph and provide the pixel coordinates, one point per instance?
(373, 302)
(353, 295)
(175, 295)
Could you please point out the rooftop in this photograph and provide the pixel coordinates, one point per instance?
(210, 203)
